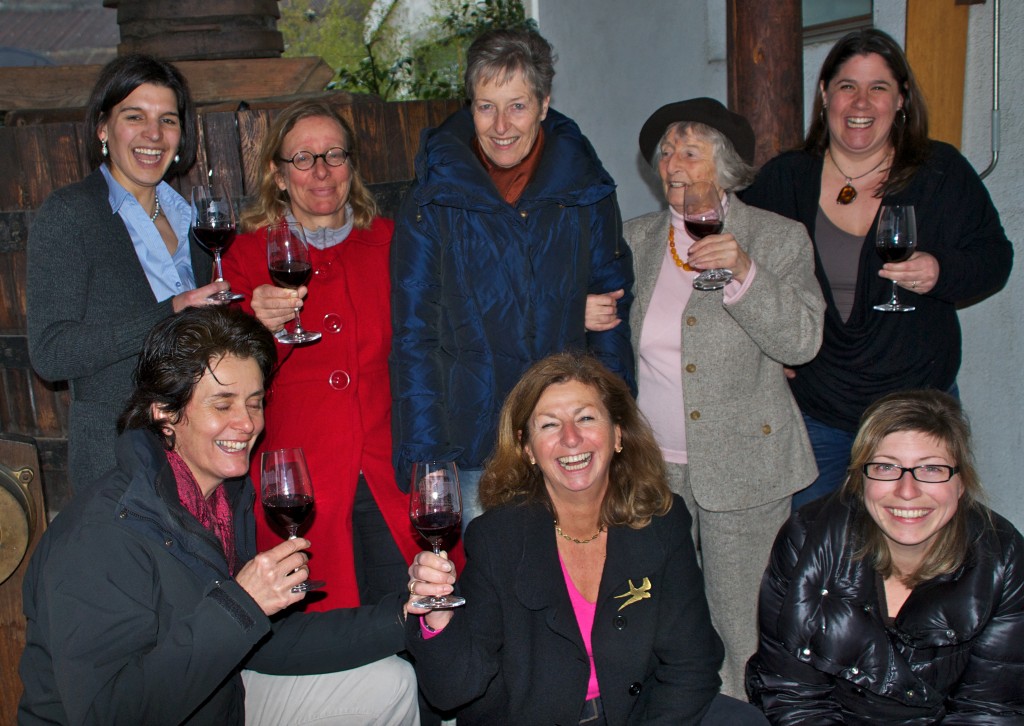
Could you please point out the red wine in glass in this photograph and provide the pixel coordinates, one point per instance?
(292, 275)
(437, 526)
(290, 512)
(702, 216)
(895, 240)
(289, 266)
(213, 224)
(286, 492)
(894, 254)
(215, 239)
(435, 509)
(700, 230)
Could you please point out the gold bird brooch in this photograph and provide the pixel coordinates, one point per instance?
(636, 594)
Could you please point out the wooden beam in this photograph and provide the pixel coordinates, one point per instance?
(211, 81)
(765, 56)
(937, 50)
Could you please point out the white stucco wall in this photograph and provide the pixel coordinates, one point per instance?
(619, 61)
(991, 381)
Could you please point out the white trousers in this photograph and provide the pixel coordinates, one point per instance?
(381, 693)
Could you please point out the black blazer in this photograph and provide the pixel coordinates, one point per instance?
(514, 653)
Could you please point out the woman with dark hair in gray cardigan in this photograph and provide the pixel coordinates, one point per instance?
(110, 256)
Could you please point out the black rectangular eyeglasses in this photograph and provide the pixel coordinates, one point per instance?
(926, 473)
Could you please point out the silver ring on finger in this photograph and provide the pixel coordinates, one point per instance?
(913, 285)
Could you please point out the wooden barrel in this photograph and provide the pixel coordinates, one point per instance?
(199, 29)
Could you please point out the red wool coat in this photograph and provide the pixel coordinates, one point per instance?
(333, 398)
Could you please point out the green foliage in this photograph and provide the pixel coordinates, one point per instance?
(330, 29)
(371, 75)
(439, 62)
(390, 65)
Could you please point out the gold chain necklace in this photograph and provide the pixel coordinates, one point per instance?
(849, 193)
(573, 539)
(675, 256)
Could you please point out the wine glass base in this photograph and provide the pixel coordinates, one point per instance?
(712, 279)
(226, 296)
(308, 585)
(440, 603)
(895, 308)
(306, 336)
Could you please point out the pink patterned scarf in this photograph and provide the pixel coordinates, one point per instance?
(213, 513)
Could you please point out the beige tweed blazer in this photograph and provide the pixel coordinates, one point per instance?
(745, 438)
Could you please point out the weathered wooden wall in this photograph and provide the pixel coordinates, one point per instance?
(37, 159)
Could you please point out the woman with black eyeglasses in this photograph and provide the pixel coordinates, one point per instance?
(899, 600)
(332, 397)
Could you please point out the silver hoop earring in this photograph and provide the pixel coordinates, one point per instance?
(104, 149)
(901, 117)
(176, 158)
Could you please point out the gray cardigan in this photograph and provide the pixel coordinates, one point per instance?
(90, 307)
(745, 437)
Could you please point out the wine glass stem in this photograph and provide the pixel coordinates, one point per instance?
(220, 274)
(298, 322)
(436, 544)
(895, 300)
(293, 533)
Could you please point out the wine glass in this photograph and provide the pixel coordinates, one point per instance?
(289, 265)
(702, 215)
(287, 496)
(435, 508)
(895, 240)
(213, 225)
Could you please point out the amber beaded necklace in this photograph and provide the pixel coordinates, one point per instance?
(672, 249)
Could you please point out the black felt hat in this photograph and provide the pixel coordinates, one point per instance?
(707, 111)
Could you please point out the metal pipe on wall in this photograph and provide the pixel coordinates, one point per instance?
(995, 90)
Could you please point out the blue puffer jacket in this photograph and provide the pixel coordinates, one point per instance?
(481, 289)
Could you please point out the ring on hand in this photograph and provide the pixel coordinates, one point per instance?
(913, 285)
(412, 586)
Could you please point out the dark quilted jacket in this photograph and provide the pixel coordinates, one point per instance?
(955, 654)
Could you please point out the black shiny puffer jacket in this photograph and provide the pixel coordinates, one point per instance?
(955, 654)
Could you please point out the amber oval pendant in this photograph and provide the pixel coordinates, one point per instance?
(846, 195)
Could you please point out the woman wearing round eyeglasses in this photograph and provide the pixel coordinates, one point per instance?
(332, 398)
(900, 600)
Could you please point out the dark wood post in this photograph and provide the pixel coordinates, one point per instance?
(765, 44)
(199, 29)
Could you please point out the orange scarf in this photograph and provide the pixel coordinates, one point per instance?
(511, 182)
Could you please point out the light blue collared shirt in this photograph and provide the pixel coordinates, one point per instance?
(168, 275)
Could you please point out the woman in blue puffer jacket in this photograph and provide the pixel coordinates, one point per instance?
(511, 222)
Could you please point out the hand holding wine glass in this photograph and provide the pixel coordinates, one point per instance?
(287, 496)
(895, 241)
(290, 267)
(435, 508)
(702, 216)
(213, 225)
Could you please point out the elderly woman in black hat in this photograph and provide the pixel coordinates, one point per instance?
(709, 363)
